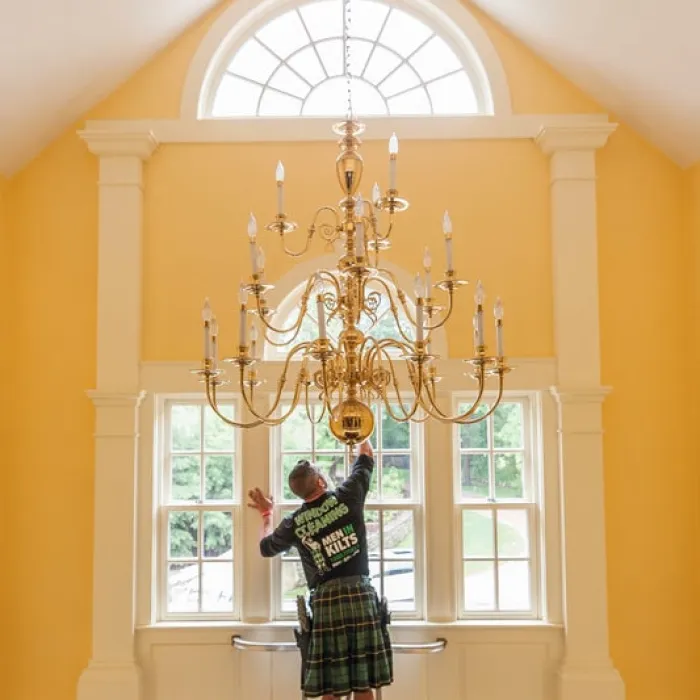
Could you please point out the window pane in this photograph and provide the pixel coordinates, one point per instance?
(396, 476)
(398, 534)
(330, 99)
(509, 475)
(217, 586)
(514, 586)
(218, 435)
(288, 81)
(513, 534)
(218, 534)
(253, 61)
(293, 584)
(185, 480)
(477, 533)
(508, 425)
(475, 475)
(275, 104)
(404, 33)
(401, 79)
(323, 19)
(372, 527)
(218, 474)
(380, 65)
(331, 53)
(479, 586)
(284, 34)
(475, 435)
(400, 585)
(296, 432)
(236, 98)
(183, 533)
(185, 427)
(435, 59)
(359, 53)
(183, 588)
(411, 102)
(453, 95)
(333, 468)
(306, 63)
(323, 438)
(395, 435)
(367, 18)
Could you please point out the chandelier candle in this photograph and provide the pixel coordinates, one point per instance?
(214, 342)
(447, 230)
(347, 371)
(279, 176)
(252, 235)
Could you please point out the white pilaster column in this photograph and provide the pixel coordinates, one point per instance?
(587, 672)
(112, 673)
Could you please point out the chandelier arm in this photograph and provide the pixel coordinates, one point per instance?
(211, 400)
(374, 223)
(281, 383)
(410, 413)
(446, 317)
(394, 310)
(308, 407)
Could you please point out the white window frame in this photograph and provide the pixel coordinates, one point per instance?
(161, 476)
(416, 504)
(533, 476)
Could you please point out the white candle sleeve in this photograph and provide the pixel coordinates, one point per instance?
(392, 173)
(428, 285)
(280, 198)
(242, 327)
(321, 313)
(207, 341)
(254, 256)
(419, 322)
(448, 250)
(480, 326)
(499, 339)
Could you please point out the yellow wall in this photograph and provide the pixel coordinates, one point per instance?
(498, 195)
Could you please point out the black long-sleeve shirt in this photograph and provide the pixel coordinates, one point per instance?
(329, 532)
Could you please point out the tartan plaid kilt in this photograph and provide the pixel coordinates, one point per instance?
(350, 649)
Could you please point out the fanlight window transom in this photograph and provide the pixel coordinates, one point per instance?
(381, 324)
(293, 66)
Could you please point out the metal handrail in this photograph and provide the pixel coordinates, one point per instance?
(411, 648)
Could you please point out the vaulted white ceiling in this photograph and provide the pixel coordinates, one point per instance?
(635, 57)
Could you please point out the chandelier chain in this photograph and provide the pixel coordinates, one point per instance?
(347, 23)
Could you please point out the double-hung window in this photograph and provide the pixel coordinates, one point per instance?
(393, 509)
(497, 512)
(198, 512)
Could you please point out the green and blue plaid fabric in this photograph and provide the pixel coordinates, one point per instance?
(350, 649)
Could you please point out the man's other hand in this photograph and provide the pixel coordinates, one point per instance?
(365, 448)
(258, 501)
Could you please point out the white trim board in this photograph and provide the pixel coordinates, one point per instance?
(258, 129)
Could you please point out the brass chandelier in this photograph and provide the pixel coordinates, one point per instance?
(346, 375)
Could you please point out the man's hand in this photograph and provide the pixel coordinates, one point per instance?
(365, 448)
(259, 501)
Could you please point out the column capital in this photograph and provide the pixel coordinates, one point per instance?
(111, 399)
(572, 395)
(115, 144)
(587, 137)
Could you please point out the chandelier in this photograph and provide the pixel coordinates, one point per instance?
(339, 379)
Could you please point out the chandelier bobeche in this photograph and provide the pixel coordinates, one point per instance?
(346, 376)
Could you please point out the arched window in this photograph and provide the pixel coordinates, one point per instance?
(400, 62)
(381, 324)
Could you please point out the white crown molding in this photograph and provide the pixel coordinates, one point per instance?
(119, 142)
(122, 137)
(574, 137)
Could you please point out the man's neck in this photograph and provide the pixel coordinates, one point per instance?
(316, 494)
